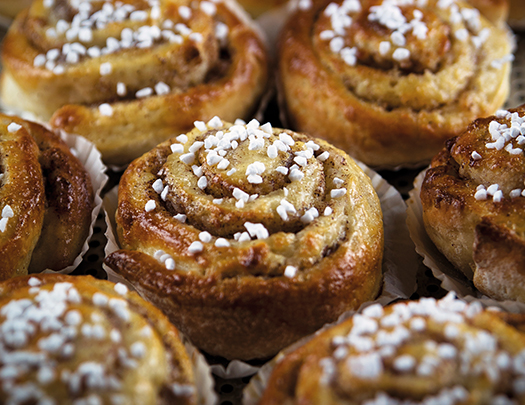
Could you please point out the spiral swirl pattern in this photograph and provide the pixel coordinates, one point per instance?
(390, 81)
(244, 208)
(127, 75)
(473, 203)
(77, 339)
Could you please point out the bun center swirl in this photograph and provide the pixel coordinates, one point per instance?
(271, 198)
(381, 50)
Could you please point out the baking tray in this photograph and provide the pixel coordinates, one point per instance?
(230, 390)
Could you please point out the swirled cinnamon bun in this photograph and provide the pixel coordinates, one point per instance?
(79, 340)
(46, 200)
(473, 203)
(420, 352)
(128, 75)
(389, 81)
(248, 237)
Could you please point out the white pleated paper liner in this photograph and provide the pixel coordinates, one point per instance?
(90, 158)
(451, 279)
(204, 382)
(400, 261)
(253, 392)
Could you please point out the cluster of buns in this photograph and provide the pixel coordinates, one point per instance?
(246, 237)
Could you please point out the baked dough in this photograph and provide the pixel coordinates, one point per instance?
(248, 237)
(387, 90)
(496, 11)
(10, 8)
(473, 207)
(46, 197)
(128, 77)
(73, 340)
(417, 352)
(517, 14)
(258, 7)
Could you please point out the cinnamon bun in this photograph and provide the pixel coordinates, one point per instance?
(389, 81)
(129, 75)
(248, 237)
(419, 352)
(473, 203)
(79, 340)
(47, 199)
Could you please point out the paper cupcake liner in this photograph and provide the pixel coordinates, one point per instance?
(400, 261)
(90, 158)
(253, 392)
(204, 382)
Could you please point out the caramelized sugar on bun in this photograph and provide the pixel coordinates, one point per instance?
(389, 81)
(418, 352)
(46, 196)
(78, 340)
(474, 204)
(249, 237)
(129, 75)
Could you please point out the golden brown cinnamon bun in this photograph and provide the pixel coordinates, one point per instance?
(248, 237)
(473, 203)
(420, 352)
(389, 81)
(79, 340)
(46, 197)
(130, 75)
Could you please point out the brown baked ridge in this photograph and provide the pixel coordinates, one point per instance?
(237, 301)
(482, 238)
(58, 214)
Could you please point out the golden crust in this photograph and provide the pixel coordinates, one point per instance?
(239, 299)
(381, 108)
(10, 8)
(216, 71)
(258, 7)
(434, 353)
(23, 191)
(482, 236)
(113, 344)
(51, 195)
(496, 11)
(517, 14)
